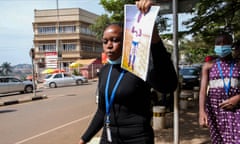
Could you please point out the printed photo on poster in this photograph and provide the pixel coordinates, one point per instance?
(138, 29)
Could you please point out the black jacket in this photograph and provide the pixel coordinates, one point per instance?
(130, 114)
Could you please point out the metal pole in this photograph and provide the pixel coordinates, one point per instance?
(57, 40)
(92, 70)
(175, 52)
(33, 78)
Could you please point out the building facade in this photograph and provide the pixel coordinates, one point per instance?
(62, 36)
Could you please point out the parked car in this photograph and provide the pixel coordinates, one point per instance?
(63, 79)
(10, 84)
(190, 77)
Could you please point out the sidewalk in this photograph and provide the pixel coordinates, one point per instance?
(189, 130)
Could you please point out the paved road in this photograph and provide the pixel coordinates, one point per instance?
(61, 118)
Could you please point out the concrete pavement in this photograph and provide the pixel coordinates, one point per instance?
(10, 100)
(189, 130)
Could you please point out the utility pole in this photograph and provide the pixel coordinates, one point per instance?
(57, 40)
(175, 52)
(32, 55)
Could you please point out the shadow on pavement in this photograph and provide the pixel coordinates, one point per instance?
(189, 130)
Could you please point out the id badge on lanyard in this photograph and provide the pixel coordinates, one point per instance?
(110, 102)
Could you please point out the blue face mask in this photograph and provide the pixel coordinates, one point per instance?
(117, 61)
(222, 50)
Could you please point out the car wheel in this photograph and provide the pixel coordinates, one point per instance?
(52, 85)
(28, 89)
(79, 82)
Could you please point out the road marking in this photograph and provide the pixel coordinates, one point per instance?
(54, 129)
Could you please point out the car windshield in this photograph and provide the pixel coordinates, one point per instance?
(188, 71)
(48, 76)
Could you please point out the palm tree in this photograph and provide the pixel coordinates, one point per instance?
(6, 68)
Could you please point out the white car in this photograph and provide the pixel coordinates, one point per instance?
(63, 79)
(10, 84)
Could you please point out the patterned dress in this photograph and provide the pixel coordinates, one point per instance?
(224, 124)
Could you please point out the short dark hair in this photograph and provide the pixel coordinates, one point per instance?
(224, 35)
(120, 24)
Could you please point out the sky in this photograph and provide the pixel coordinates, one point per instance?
(16, 31)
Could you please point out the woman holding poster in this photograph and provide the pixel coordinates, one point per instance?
(124, 110)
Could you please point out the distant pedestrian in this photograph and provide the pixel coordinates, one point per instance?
(219, 108)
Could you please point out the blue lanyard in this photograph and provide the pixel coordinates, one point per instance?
(109, 103)
(226, 87)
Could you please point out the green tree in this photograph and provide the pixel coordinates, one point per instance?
(100, 24)
(6, 68)
(115, 13)
(115, 8)
(212, 16)
(196, 49)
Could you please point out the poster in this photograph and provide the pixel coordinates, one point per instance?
(138, 29)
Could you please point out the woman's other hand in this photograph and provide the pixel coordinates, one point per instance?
(230, 103)
(203, 122)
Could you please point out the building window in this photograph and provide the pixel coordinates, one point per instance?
(99, 48)
(86, 46)
(84, 29)
(69, 47)
(67, 29)
(47, 47)
(47, 30)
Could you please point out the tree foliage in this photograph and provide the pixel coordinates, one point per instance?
(195, 50)
(214, 16)
(210, 17)
(115, 8)
(115, 13)
(100, 24)
(6, 68)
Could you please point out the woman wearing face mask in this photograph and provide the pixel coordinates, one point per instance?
(219, 108)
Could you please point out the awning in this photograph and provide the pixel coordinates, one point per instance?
(47, 71)
(51, 71)
(85, 61)
(81, 62)
(74, 65)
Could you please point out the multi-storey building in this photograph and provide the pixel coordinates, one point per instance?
(62, 36)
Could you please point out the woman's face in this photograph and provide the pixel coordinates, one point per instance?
(112, 42)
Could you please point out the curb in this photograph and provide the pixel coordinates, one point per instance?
(22, 100)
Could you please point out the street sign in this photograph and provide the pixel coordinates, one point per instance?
(51, 59)
(183, 5)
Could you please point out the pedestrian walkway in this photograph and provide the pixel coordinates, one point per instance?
(17, 99)
(189, 130)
